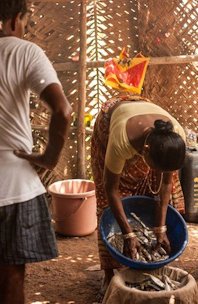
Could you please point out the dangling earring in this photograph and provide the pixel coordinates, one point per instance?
(145, 145)
(146, 139)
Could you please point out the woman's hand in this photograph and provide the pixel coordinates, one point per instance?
(162, 240)
(131, 247)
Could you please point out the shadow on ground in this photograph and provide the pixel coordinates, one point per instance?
(74, 277)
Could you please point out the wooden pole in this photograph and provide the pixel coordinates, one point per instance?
(56, 1)
(183, 59)
(81, 171)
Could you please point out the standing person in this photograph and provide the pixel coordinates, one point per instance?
(136, 149)
(26, 234)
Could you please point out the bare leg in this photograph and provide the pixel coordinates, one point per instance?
(108, 275)
(107, 278)
(12, 284)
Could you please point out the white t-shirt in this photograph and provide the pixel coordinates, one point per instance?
(24, 67)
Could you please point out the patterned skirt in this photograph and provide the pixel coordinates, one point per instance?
(134, 177)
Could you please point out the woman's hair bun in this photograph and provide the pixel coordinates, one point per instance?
(163, 127)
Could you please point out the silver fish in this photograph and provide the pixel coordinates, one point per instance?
(157, 283)
(156, 280)
(146, 238)
(138, 220)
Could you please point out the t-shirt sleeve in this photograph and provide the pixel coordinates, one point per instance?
(113, 160)
(39, 70)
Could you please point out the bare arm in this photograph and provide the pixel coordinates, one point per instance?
(111, 182)
(161, 210)
(58, 128)
(165, 193)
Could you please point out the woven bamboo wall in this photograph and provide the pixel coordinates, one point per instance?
(171, 30)
(145, 26)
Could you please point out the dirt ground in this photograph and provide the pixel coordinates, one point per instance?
(75, 278)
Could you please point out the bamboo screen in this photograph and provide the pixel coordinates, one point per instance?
(148, 26)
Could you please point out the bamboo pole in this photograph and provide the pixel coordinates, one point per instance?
(45, 128)
(96, 49)
(174, 59)
(57, 1)
(183, 59)
(82, 92)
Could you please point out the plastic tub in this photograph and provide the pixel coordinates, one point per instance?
(73, 207)
(144, 207)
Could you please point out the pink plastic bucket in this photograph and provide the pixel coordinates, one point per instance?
(73, 207)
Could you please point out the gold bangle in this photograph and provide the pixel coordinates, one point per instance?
(160, 229)
(129, 235)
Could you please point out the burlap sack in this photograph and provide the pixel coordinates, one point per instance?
(119, 293)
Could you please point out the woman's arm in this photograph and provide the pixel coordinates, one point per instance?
(111, 185)
(165, 194)
(161, 211)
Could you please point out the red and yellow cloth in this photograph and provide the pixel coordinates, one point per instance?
(126, 74)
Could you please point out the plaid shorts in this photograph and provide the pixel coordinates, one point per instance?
(26, 234)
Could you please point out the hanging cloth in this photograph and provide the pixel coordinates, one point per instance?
(126, 74)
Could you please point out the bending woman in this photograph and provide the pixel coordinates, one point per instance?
(137, 148)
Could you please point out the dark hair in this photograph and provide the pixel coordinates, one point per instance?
(167, 148)
(10, 8)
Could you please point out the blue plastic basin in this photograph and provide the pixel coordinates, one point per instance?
(144, 208)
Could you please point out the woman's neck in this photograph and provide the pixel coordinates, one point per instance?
(142, 141)
(137, 134)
